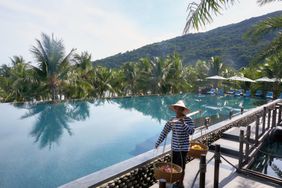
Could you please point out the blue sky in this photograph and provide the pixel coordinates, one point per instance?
(104, 27)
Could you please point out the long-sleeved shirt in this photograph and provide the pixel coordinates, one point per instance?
(180, 134)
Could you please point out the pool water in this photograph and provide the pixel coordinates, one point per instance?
(47, 145)
(269, 159)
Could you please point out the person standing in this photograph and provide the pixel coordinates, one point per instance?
(181, 126)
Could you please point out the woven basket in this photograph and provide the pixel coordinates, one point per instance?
(197, 153)
(168, 176)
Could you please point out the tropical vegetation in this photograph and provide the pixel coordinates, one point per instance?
(269, 59)
(57, 75)
(226, 42)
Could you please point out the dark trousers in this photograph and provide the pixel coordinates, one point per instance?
(179, 158)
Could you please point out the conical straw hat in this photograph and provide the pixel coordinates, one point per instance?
(180, 103)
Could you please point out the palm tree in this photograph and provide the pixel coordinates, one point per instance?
(158, 75)
(202, 69)
(216, 66)
(103, 82)
(83, 61)
(263, 28)
(144, 68)
(201, 13)
(80, 82)
(17, 81)
(53, 64)
(21, 78)
(176, 79)
(130, 71)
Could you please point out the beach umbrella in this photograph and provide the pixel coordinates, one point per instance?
(266, 79)
(216, 77)
(240, 78)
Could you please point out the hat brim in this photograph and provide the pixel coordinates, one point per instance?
(185, 111)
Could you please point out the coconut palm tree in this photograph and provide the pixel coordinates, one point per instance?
(176, 81)
(144, 69)
(103, 82)
(80, 82)
(200, 14)
(53, 64)
(17, 81)
(216, 66)
(21, 78)
(202, 69)
(263, 28)
(130, 71)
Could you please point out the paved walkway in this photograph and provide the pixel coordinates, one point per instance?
(228, 177)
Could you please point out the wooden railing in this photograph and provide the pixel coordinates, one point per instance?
(250, 150)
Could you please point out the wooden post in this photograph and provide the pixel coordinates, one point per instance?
(216, 165)
(268, 119)
(274, 118)
(242, 110)
(257, 130)
(203, 167)
(230, 114)
(241, 153)
(248, 135)
(162, 183)
(279, 114)
(207, 121)
(263, 119)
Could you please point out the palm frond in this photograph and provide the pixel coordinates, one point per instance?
(273, 48)
(264, 27)
(199, 14)
(263, 2)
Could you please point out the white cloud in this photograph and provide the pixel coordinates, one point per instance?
(101, 30)
(82, 25)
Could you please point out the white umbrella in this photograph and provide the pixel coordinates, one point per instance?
(240, 78)
(266, 79)
(216, 77)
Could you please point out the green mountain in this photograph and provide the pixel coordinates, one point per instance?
(226, 41)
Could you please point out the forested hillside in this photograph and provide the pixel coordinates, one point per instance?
(226, 42)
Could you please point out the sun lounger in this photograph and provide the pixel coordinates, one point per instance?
(269, 95)
(258, 93)
(238, 92)
(231, 91)
(220, 92)
(212, 91)
(248, 93)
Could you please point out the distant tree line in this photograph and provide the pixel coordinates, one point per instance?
(55, 74)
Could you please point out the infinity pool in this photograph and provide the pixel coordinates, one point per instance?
(47, 145)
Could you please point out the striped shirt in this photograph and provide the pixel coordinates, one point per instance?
(180, 134)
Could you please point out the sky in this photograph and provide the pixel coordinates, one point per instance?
(104, 27)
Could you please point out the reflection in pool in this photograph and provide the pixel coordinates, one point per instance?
(46, 145)
(269, 159)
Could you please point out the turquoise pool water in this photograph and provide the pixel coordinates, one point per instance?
(269, 159)
(47, 145)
